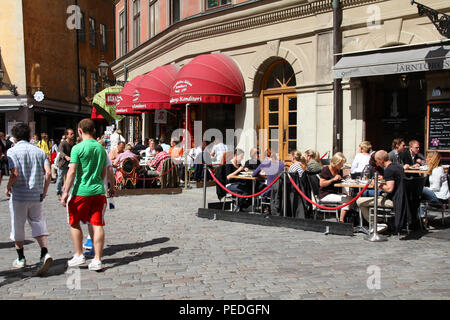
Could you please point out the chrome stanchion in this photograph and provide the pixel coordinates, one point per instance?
(375, 237)
(205, 172)
(285, 177)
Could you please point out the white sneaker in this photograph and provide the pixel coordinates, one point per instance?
(19, 264)
(76, 261)
(46, 262)
(95, 265)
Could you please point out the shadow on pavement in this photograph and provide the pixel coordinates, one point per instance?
(114, 248)
(10, 244)
(117, 262)
(59, 266)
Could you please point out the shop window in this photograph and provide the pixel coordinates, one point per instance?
(282, 76)
(92, 32)
(211, 4)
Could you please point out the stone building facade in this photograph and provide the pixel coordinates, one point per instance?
(274, 40)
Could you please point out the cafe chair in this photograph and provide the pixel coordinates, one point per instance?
(128, 170)
(172, 178)
(314, 183)
(443, 206)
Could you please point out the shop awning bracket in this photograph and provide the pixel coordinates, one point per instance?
(440, 20)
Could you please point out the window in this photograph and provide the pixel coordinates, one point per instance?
(174, 11)
(82, 30)
(83, 91)
(93, 83)
(153, 19)
(136, 23)
(282, 76)
(210, 4)
(122, 38)
(92, 32)
(103, 37)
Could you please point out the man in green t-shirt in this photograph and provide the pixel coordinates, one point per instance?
(88, 202)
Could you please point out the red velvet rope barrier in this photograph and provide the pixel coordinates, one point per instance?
(240, 195)
(148, 179)
(323, 207)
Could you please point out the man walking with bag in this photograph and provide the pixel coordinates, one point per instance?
(27, 189)
(88, 203)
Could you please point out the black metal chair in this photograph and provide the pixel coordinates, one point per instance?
(314, 183)
(443, 206)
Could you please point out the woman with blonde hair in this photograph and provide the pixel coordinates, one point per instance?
(299, 163)
(362, 159)
(312, 164)
(438, 181)
(330, 175)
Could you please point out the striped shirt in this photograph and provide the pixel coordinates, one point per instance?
(29, 160)
(296, 167)
(158, 161)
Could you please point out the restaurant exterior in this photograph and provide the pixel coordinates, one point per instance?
(283, 51)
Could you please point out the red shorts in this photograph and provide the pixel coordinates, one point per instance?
(87, 209)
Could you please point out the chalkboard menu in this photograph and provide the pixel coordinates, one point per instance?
(438, 126)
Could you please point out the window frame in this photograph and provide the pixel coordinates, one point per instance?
(82, 30)
(93, 34)
(136, 20)
(171, 11)
(122, 36)
(83, 84)
(103, 36)
(152, 25)
(219, 5)
(93, 86)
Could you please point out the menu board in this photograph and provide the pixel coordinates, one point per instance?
(438, 126)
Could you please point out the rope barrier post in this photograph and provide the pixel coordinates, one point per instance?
(375, 237)
(285, 177)
(205, 172)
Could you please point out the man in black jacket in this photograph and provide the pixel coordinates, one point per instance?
(5, 144)
(411, 157)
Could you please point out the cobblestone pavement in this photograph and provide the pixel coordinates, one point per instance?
(156, 248)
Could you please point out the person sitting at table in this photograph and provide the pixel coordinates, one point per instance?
(157, 162)
(200, 159)
(361, 160)
(232, 169)
(253, 162)
(150, 151)
(398, 147)
(298, 163)
(125, 155)
(393, 175)
(114, 153)
(311, 164)
(218, 150)
(330, 175)
(138, 147)
(411, 157)
(271, 169)
(174, 151)
(438, 181)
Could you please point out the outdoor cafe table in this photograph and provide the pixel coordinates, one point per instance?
(422, 171)
(253, 179)
(357, 185)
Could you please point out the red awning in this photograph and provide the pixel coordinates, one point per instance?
(209, 78)
(96, 116)
(127, 100)
(154, 88)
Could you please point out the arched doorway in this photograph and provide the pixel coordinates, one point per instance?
(278, 112)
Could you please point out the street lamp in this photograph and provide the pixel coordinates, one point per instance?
(440, 20)
(103, 68)
(9, 86)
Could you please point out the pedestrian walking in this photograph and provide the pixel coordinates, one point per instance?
(65, 147)
(45, 145)
(27, 188)
(88, 165)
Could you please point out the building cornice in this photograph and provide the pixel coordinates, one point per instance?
(196, 28)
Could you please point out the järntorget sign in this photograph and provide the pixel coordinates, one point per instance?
(423, 66)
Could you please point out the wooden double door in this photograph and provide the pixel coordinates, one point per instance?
(280, 123)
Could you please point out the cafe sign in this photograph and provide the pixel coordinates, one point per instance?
(111, 99)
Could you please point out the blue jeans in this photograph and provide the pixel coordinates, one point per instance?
(429, 196)
(59, 181)
(370, 193)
